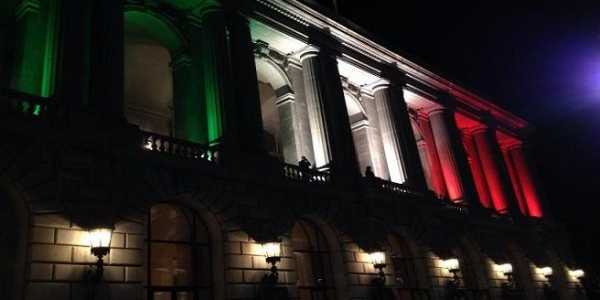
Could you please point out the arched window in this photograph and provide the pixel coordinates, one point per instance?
(405, 271)
(313, 262)
(178, 254)
(471, 274)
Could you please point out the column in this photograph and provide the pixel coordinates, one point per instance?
(328, 116)
(376, 151)
(288, 123)
(424, 157)
(302, 128)
(477, 170)
(515, 182)
(360, 135)
(246, 98)
(494, 169)
(217, 78)
(453, 160)
(435, 168)
(398, 138)
(526, 179)
(106, 59)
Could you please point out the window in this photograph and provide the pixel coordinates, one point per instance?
(178, 253)
(313, 263)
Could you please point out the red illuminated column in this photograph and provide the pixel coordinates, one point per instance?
(435, 168)
(524, 173)
(477, 170)
(453, 159)
(398, 138)
(515, 182)
(491, 167)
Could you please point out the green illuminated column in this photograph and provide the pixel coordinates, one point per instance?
(35, 47)
(245, 84)
(217, 77)
(106, 59)
(328, 116)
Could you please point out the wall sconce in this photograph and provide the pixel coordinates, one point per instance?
(507, 270)
(100, 238)
(547, 272)
(378, 260)
(579, 275)
(272, 251)
(452, 266)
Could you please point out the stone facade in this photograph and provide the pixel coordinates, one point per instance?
(253, 86)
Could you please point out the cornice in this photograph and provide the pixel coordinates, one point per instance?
(353, 41)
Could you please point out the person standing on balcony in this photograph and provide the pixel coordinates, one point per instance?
(304, 165)
(369, 172)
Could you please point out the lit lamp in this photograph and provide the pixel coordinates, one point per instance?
(378, 260)
(100, 238)
(272, 251)
(579, 275)
(452, 266)
(547, 272)
(507, 270)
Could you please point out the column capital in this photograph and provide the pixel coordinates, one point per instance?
(514, 145)
(437, 108)
(284, 99)
(308, 52)
(393, 73)
(322, 38)
(182, 60)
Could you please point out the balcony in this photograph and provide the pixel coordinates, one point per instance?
(31, 106)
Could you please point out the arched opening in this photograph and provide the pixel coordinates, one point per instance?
(409, 273)
(13, 242)
(151, 45)
(473, 279)
(423, 151)
(313, 262)
(178, 254)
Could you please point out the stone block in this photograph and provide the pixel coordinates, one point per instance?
(259, 262)
(356, 268)
(234, 248)
(50, 253)
(240, 261)
(129, 227)
(51, 220)
(70, 272)
(45, 291)
(237, 236)
(112, 273)
(42, 235)
(134, 241)
(134, 274)
(241, 291)
(125, 257)
(254, 276)
(286, 263)
(118, 240)
(235, 276)
(252, 249)
(72, 237)
(83, 255)
(362, 257)
(40, 271)
(287, 251)
(125, 291)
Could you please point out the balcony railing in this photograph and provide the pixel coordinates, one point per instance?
(400, 189)
(177, 147)
(32, 106)
(311, 176)
(455, 206)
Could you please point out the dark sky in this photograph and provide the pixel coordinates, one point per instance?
(537, 59)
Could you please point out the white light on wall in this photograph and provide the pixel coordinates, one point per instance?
(450, 264)
(546, 271)
(505, 268)
(578, 273)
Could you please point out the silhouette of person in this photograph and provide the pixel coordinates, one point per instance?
(369, 172)
(304, 164)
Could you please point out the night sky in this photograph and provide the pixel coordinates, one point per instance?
(539, 60)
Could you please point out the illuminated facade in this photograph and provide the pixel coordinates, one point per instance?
(180, 123)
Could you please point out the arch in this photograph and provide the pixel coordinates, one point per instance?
(205, 242)
(407, 263)
(275, 90)
(14, 228)
(473, 269)
(318, 257)
(153, 57)
(523, 277)
(356, 112)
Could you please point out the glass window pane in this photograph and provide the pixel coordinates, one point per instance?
(169, 223)
(171, 264)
